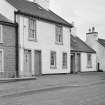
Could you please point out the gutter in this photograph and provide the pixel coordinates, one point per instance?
(40, 18)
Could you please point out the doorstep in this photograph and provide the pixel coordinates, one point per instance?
(7, 80)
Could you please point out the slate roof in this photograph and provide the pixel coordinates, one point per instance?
(102, 42)
(31, 8)
(80, 46)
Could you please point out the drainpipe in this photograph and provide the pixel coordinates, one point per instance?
(17, 47)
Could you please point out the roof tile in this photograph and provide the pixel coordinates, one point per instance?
(80, 46)
(34, 9)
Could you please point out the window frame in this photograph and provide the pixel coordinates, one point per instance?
(64, 64)
(57, 38)
(89, 63)
(55, 60)
(34, 30)
(1, 26)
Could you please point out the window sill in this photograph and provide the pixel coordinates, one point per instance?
(59, 43)
(53, 67)
(35, 40)
(64, 67)
(89, 67)
(1, 42)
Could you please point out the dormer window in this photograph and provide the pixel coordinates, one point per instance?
(32, 30)
(59, 34)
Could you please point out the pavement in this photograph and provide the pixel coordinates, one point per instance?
(47, 82)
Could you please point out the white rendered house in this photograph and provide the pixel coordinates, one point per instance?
(99, 46)
(43, 37)
(83, 57)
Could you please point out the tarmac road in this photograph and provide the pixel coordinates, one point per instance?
(88, 94)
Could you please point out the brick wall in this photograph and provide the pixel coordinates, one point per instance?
(9, 48)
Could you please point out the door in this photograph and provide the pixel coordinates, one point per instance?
(78, 62)
(72, 63)
(1, 61)
(37, 60)
(27, 63)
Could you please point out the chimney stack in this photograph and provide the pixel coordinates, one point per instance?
(73, 29)
(91, 36)
(43, 3)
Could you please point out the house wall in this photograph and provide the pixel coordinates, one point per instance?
(92, 41)
(45, 43)
(84, 67)
(7, 10)
(100, 55)
(9, 51)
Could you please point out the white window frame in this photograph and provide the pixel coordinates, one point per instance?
(57, 36)
(55, 58)
(64, 66)
(35, 34)
(2, 60)
(1, 26)
(89, 65)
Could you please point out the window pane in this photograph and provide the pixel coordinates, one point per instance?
(65, 60)
(89, 60)
(0, 33)
(59, 35)
(32, 29)
(53, 59)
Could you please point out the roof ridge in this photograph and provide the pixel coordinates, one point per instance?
(32, 9)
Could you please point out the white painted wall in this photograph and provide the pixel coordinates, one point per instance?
(84, 67)
(100, 55)
(7, 10)
(45, 43)
(100, 50)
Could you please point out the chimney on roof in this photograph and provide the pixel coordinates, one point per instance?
(73, 29)
(91, 36)
(43, 3)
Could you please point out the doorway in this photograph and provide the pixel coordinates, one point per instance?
(37, 64)
(78, 62)
(27, 63)
(72, 63)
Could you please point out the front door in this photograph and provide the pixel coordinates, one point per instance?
(1, 61)
(37, 63)
(78, 62)
(27, 63)
(72, 63)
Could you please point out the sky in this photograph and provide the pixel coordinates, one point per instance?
(84, 13)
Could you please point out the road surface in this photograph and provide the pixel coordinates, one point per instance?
(93, 94)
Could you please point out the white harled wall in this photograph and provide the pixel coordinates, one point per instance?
(92, 41)
(84, 67)
(45, 43)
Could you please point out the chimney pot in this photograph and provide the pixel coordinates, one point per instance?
(89, 30)
(93, 29)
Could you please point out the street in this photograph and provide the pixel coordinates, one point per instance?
(83, 94)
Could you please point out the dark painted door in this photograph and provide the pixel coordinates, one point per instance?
(78, 62)
(72, 63)
(37, 63)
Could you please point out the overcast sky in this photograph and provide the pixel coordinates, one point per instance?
(85, 14)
